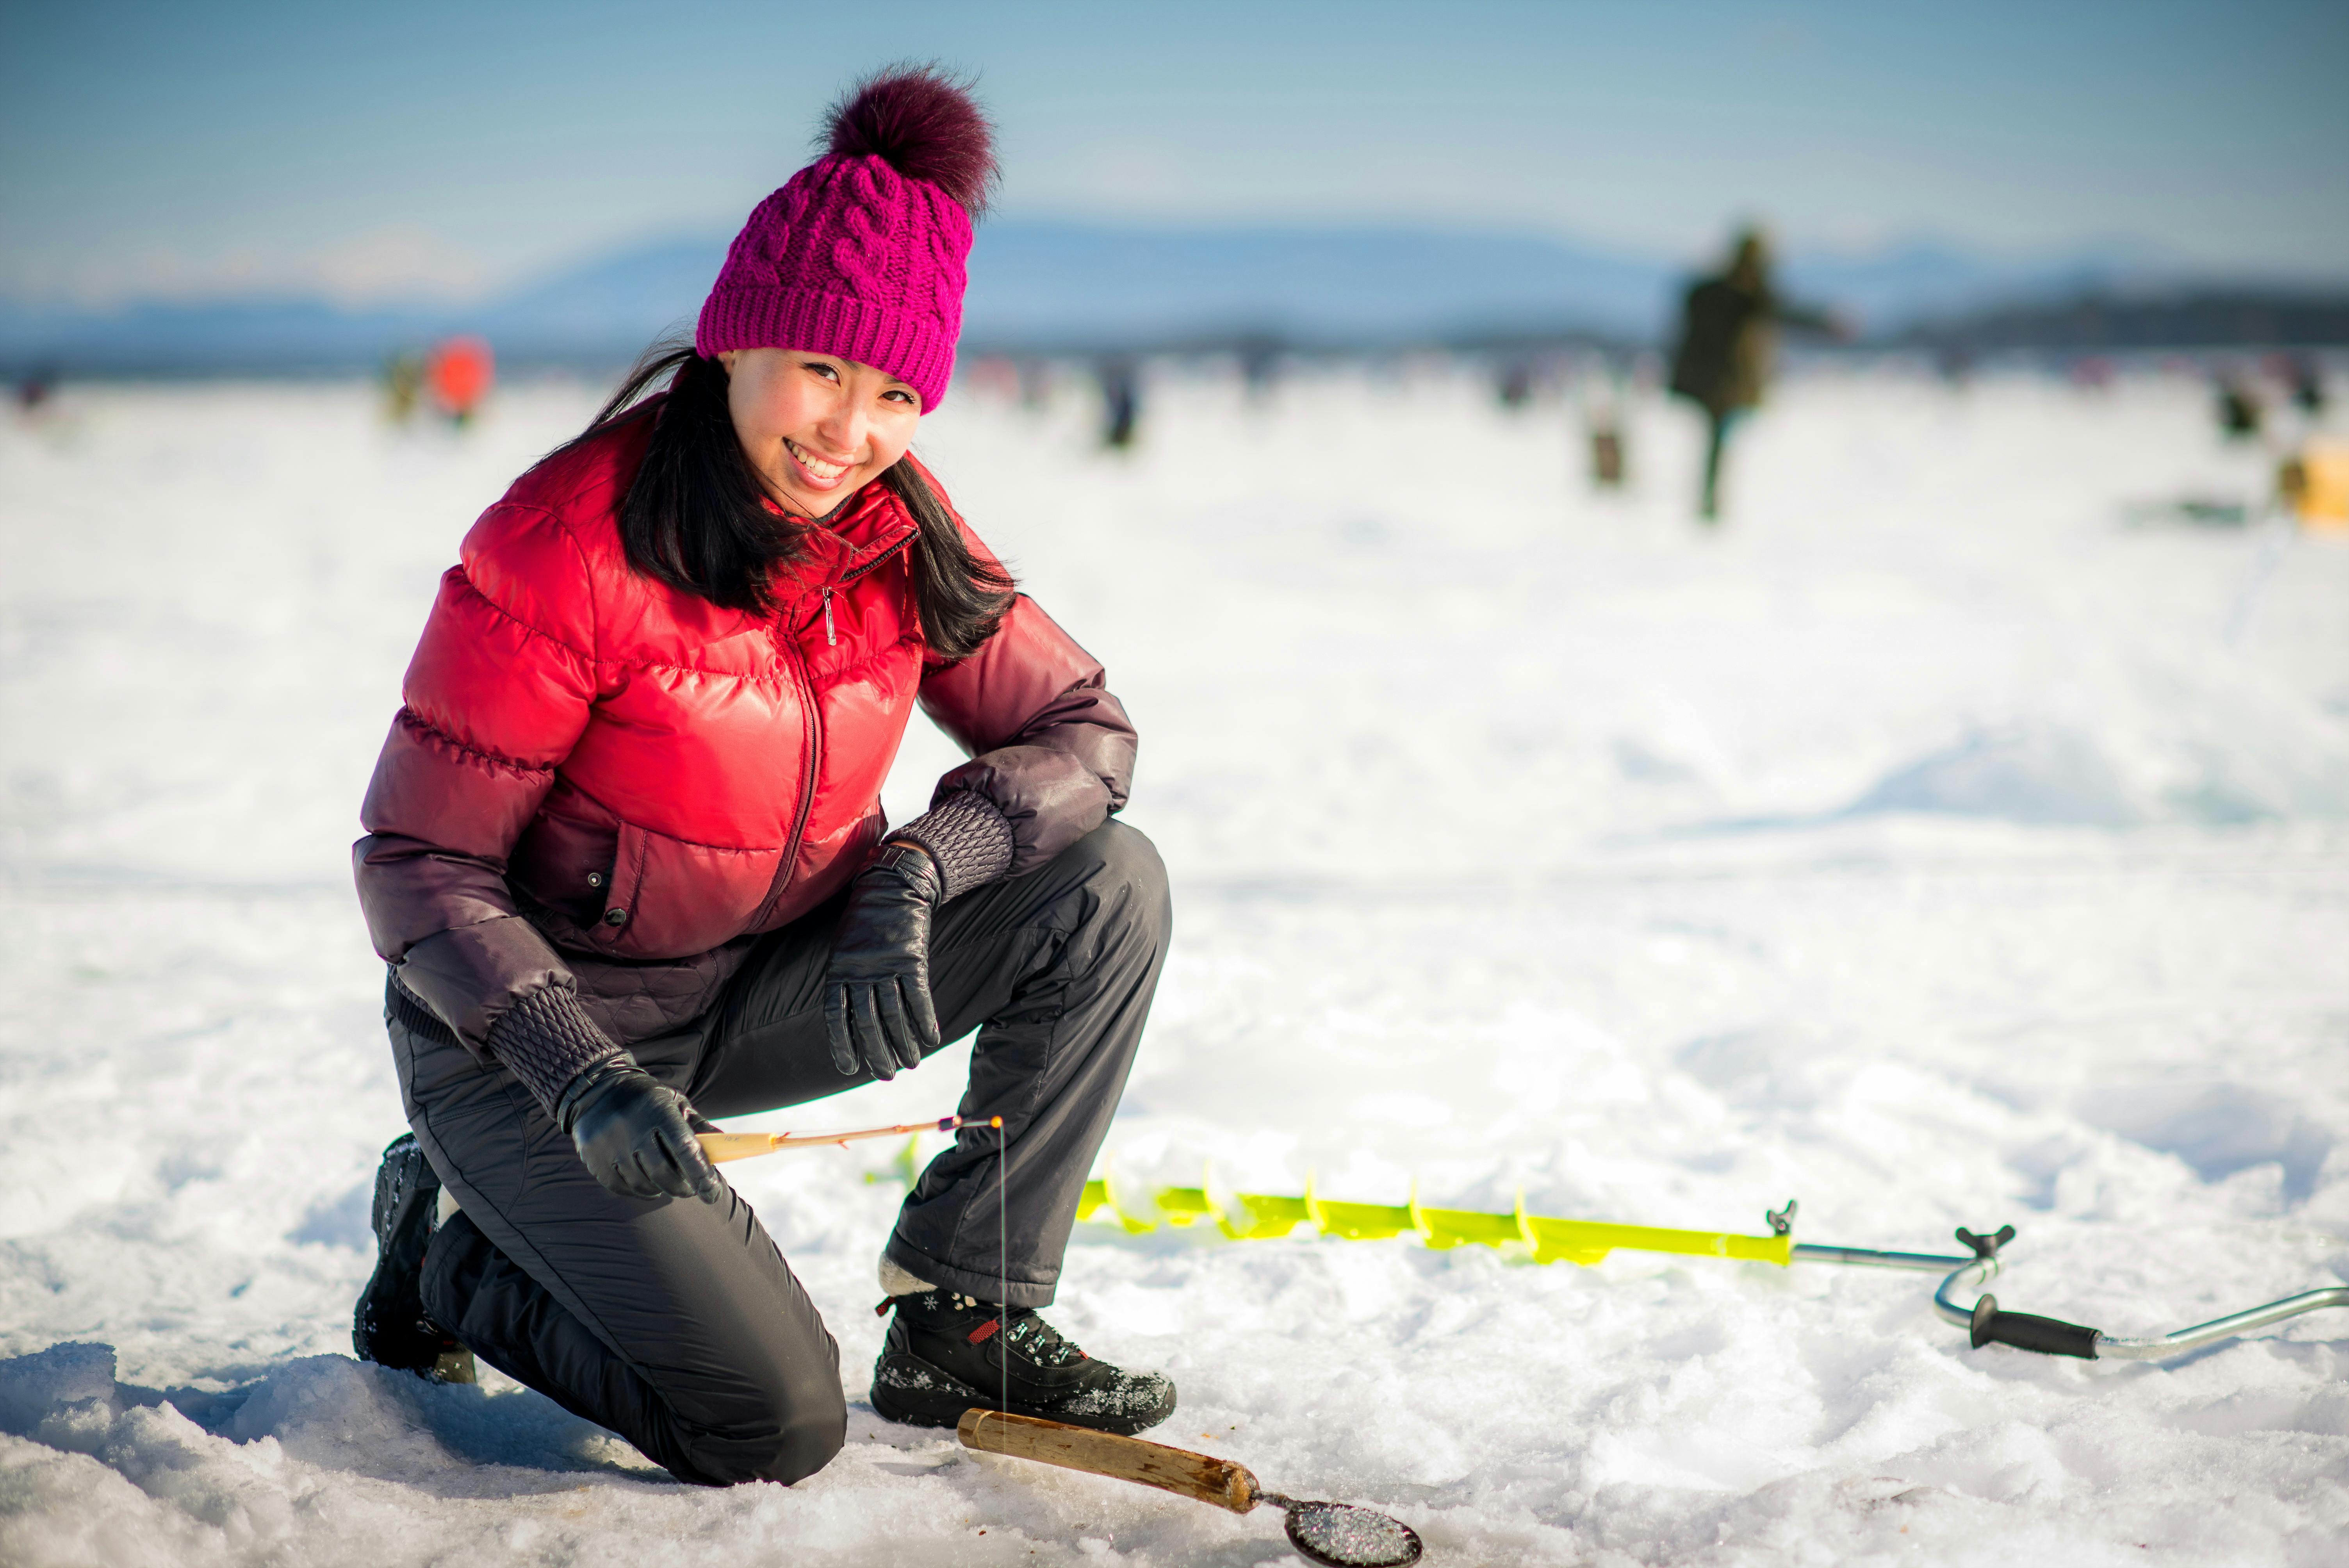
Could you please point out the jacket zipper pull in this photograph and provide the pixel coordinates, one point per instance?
(830, 637)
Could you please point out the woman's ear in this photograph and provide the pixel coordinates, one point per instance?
(726, 358)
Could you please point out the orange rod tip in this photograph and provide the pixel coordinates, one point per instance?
(994, 1121)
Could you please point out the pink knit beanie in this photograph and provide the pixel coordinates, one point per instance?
(862, 253)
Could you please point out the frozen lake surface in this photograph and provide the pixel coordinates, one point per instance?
(1918, 846)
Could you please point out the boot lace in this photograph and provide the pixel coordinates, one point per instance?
(1038, 1341)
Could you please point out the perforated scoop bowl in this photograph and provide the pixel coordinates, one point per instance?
(1340, 1535)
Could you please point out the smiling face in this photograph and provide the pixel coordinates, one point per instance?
(818, 428)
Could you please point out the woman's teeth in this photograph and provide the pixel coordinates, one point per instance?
(815, 464)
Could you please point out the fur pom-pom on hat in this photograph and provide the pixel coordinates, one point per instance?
(862, 252)
(924, 124)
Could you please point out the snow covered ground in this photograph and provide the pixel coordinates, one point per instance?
(1917, 846)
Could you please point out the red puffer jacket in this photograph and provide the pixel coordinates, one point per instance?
(602, 781)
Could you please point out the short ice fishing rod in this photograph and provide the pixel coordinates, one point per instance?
(720, 1147)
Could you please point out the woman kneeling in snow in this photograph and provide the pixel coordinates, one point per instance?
(626, 860)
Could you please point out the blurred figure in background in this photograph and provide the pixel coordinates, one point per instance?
(2306, 379)
(1259, 367)
(459, 374)
(2240, 413)
(996, 376)
(2094, 372)
(1602, 419)
(1954, 362)
(2313, 486)
(403, 384)
(35, 388)
(1121, 401)
(1728, 331)
(1516, 387)
(1036, 378)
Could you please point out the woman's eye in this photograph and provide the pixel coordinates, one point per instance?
(826, 371)
(898, 394)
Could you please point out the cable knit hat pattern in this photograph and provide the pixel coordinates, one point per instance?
(862, 253)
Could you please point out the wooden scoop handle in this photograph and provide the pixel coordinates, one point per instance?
(1199, 1476)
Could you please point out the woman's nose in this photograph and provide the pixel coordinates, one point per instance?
(843, 427)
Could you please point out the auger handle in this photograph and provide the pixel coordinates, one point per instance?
(1200, 1477)
(2047, 1336)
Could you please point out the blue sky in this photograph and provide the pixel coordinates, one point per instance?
(384, 150)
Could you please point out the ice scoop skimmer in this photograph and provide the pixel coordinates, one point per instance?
(1337, 1534)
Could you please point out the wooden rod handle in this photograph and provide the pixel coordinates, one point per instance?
(720, 1147)
(1179, 1471)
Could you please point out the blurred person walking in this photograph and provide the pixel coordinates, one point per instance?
(1120, 390)
(458, 373)
(2305, 376)
(626, 860)
(1728, 336)
(1603, 400)
(2241, 412)
(1513, 387)
(1259, 360)
(403, 385)
(34, 389)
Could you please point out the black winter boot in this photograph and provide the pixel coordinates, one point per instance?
(946, 1352)
(389, 1327)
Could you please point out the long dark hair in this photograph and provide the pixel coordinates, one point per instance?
(697, 517)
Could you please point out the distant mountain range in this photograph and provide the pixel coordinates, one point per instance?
(1075, 288)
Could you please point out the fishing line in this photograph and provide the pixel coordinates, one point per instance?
(1003, 1243)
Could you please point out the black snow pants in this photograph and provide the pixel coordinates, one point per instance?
(676, 1323)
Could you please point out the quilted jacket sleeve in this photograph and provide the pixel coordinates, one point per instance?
(1050, 748)
(497, 694)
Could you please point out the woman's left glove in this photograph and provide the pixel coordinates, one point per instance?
(876, 988)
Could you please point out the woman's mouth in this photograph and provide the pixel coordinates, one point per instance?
(817, 471)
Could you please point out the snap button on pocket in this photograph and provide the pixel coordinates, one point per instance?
(616, 917)
(594, 879)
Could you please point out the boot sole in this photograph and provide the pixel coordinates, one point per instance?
(912, 1392)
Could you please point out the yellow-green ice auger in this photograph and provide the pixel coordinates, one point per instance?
(1263, 1216)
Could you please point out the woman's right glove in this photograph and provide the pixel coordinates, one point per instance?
(632, 1134)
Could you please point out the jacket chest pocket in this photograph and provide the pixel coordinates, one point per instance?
(566, 858)
(667, 897)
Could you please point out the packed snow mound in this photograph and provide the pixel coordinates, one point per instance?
(1917, 845)
(265, 1472)
(2218, 1128)
(2051, 777)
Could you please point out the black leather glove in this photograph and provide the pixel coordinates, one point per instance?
(632, 1134)
(876, 988)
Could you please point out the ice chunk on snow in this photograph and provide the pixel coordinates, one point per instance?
(62, 1377)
